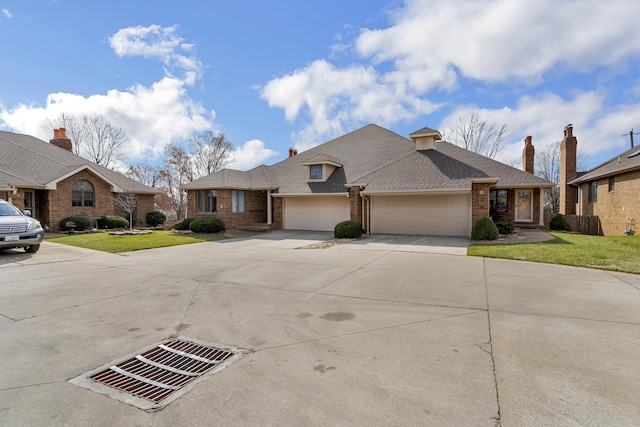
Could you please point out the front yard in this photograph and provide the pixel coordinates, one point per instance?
(619, 253)
(116, 244)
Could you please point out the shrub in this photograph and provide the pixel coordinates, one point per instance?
(348, 230)
(559, 222)
(485, 229)
(208, 224)
(80, 222)
(112, 221)
(182, 224)
(504, 226)
(155, 218)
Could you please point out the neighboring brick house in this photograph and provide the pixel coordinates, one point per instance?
(53, 183)
(391, 184)
(611, 190)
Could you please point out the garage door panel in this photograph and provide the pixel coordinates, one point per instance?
(315, 213)
(438, 215)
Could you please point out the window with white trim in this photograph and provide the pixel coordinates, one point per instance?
(315, 171)
(237, 201)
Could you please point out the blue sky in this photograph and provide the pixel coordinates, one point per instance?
(274, 75)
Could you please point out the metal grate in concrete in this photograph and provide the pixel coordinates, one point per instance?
(158, 373)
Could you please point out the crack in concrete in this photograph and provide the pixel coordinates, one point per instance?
(497, 419)
(186, 312)
(7, 317)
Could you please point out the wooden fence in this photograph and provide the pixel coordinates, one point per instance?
(583, 224)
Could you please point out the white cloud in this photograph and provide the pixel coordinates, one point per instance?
(162, 43)
(6, 13)
(544, 117)
(251, 154)
(334, 97)
(433, 46)
(152, 115)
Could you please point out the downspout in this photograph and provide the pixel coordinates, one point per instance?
(269, 213)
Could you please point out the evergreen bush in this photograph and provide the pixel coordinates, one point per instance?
(207, 224)
(80, 222)
(112, 222)
(182, 224)
(559, 222)
(485, 229)
(155, 218)
(504, 226)
(348, 230)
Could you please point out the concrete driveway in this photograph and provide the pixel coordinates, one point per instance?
(364, 333)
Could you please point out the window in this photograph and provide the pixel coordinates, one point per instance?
(612, 183)
(315, 172)
(499, 201)
(593, 191)
(237, 201)
(82, 194)
(206, 201)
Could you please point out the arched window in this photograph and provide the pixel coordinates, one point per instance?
(82, 194)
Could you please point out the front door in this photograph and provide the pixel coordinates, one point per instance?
(29, 202)
(524, 206)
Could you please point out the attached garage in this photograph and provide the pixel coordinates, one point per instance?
(317, 213)
(438, 215)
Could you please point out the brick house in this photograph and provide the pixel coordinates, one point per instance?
(53, 183)
(391, 184)
(610, 190)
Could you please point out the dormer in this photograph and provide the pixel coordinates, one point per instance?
(320, 167)
(425, 138)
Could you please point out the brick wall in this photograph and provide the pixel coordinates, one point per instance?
(355, 204)
(255, 208)
(278, 213)
(479, 202)
(614, 207)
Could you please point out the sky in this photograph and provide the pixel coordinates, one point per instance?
(292, 74)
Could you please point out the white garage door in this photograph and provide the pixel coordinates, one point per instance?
(315, 213)
(437, 215)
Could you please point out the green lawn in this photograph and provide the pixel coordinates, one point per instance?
(116, 244)
(620, 253)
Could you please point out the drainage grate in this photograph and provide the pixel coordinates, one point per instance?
(159, 372)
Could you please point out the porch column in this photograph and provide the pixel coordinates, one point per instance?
(541, 207)
(269, 213)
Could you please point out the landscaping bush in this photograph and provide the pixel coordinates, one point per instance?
(485, 229)
(155, 218)
(559, 222)
(80, 222)
(209, 224)
(182, 224)
(348, 230)
(112, 221)
(504, 226)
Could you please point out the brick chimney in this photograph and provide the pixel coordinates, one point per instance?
(528, 153)
(60, 139)
(568, 153)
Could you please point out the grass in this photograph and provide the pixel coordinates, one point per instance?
(116, 244)
(619, 253)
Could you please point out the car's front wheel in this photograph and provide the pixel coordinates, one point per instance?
(31, 248)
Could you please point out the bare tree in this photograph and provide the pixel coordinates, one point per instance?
(128, 202)
(93, 137)
(178, 170)
(211, 152)
(547, 166)
(471, 132)
(145, 173)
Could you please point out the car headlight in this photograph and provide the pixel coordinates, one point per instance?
(34, 225)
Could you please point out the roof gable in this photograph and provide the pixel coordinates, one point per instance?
(627, 161)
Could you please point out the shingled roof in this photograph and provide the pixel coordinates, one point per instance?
(383, 161)
(29, 162)
(629, 160)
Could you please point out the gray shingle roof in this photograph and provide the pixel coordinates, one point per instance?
(629, 160)
(383, 160)
(27, 161)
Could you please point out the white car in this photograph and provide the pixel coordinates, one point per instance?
(18, 230)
